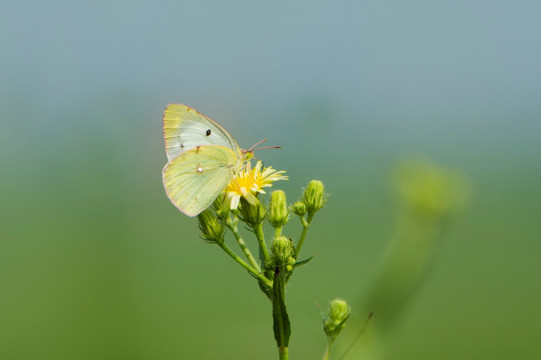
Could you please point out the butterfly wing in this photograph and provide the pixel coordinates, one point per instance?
(185, 128)
(195, 178)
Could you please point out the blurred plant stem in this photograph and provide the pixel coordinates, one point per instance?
(411, 249)
(428, 197)
(327, 352)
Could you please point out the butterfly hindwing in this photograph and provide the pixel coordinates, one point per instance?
(195, 178)
(185, 128)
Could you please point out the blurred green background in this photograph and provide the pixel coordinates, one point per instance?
(96, 263)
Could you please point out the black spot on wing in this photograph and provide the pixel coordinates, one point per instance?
(208, 132)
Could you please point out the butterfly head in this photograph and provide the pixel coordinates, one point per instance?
(248, 155)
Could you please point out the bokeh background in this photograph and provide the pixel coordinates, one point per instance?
(95, 262)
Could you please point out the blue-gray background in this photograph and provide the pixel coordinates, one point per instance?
(96, 263)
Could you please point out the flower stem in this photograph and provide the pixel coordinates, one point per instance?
(264, 253)
(277, 231)
(250, 269)
(284, 353)
(305, 225)
(232, 225)
(327, 352)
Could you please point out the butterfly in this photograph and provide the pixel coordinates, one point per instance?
(202, 158)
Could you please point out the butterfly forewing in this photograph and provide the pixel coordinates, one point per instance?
(195, 178)
(185, 128)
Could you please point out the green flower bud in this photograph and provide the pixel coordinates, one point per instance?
(335, 318)
(292, 261)
(252, 214)
(299, 208)
(314, 196)
(282, 251)
(291, 264)
(211, 228)
(289, 268)
(278, 212)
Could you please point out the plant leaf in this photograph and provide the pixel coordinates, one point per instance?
(302, 262)
(281, 325)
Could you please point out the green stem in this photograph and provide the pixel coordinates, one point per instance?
(281, 324)
(284, 353)
(327, 352)
(232, 225)
(250, 269)
(277, 231)
(264, 253)
(305, 226)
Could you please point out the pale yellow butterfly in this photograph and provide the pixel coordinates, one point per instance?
(202, 156)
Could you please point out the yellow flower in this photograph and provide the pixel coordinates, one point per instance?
(250, 181)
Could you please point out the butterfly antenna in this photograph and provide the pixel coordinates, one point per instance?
(257, 143)
(267, 147)
(253, 148)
